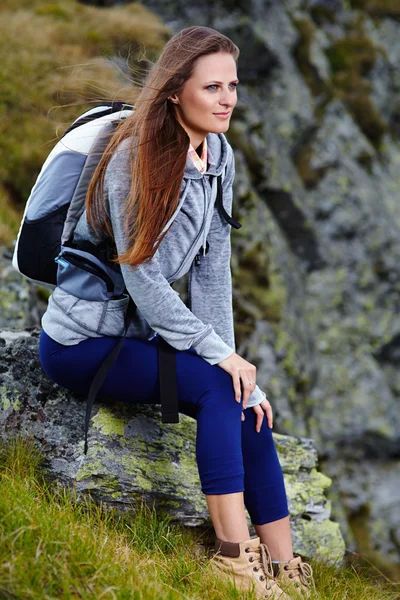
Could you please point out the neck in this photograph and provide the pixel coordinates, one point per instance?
(196, 138)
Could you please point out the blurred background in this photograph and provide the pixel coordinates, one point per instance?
(316, 265)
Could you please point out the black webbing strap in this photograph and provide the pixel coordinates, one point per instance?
(220, 205)
(168, 385)
(167, 379)
(98, 382)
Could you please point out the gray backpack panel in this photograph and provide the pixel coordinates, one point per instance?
(53, 188)
(77, 205)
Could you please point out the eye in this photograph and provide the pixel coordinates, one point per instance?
(212, 87)
(233, 85)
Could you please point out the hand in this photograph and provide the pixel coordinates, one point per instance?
(242, 373)
(266, 407)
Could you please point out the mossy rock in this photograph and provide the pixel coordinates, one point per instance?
(379, 8)
(351, 59)
(260, 286)
(355, 53)
(368, 118)
(321, 89)
(132, 456)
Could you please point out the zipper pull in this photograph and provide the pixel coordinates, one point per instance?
(202, 252)
(61, 261)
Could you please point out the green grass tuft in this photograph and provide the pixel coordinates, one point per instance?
(53, 546)
(10, 219)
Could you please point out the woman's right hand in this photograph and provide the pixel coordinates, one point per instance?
(243, 376)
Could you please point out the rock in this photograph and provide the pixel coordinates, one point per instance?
(133, 456)
(20, 302)
(259, 60)
(370, 495)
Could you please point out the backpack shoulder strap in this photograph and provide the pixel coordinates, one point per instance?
(220, 205)
(106, 108)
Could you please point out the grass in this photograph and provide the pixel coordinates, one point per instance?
(53, 547)
(10, 219)
(55, 65)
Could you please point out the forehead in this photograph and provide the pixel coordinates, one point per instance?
(219, 66)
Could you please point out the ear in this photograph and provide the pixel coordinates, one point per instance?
(174, 99)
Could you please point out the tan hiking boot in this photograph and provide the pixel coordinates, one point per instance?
(249, 564)
(295, 574)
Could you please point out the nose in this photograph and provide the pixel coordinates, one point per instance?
(228, 97)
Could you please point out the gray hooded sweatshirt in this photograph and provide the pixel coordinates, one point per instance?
(206, 325)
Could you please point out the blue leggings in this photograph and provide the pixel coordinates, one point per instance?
(231, 455)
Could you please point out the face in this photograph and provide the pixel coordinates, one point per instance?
(208, 98)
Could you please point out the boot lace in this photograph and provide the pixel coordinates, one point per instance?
(302, 571)
(263, 562)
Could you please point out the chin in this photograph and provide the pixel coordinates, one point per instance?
(222, 128)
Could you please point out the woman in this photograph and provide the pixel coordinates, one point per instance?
(154, 193)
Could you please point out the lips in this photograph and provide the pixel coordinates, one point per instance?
(222, 114)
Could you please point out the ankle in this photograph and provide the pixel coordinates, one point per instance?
(280, 560)
(234, 535)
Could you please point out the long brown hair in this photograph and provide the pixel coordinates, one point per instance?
(160, 146)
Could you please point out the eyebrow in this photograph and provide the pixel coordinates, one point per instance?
(221, 82)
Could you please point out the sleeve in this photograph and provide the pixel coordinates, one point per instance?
(210, 283)
(159, 304)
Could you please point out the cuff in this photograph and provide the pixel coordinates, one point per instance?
(213, 349)
(256, 397)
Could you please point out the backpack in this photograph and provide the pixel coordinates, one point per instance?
(57, 199)
(45, 251)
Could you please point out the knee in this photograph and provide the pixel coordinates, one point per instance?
(257, 445)
(218, 394)
(204, 384)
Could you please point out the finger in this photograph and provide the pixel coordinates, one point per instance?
(270, 418)
(259, 419)
(236, 387)
(245, 392)
(248, 387)
(268, 410)
(243, 417)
